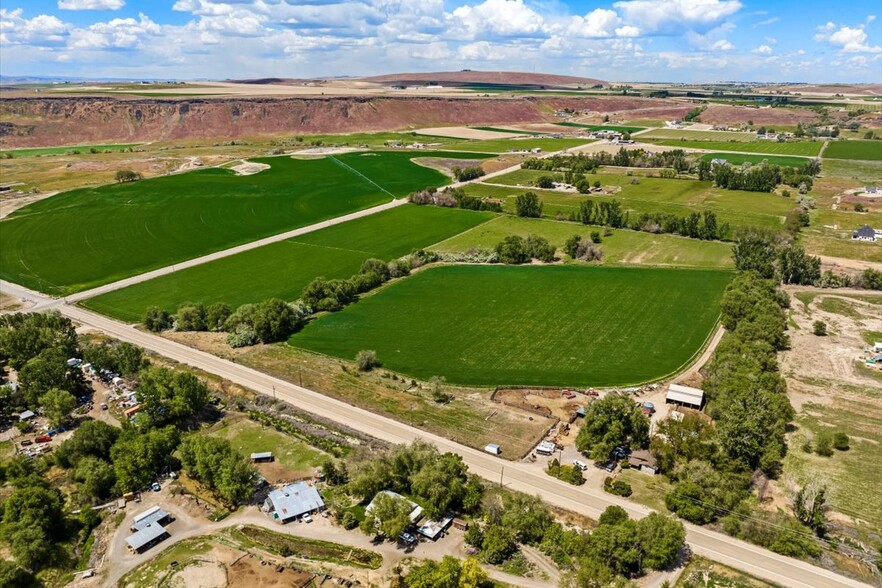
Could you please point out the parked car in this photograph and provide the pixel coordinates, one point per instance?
(156, 487)
(580, 464)
(608, 466)
(103, 406)
(26, 442)
(407, 538)
(306, 518)
(43, 439)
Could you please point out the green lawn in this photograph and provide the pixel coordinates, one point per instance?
(553, 325)
(622, 247)
(249, 437)
(649, 195)
(87, 237)
(41, 151)
(281, 270)
(678, 134)
(739, 158)
(621, 129)
(863, 150)
(506, 145)
(803, 148)
(862, 171)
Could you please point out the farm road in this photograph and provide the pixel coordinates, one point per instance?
(587, 501)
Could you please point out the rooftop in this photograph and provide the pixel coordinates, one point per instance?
(294, 500)
(144, 536)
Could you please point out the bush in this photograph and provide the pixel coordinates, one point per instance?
(349, 521)
(366, 360)
(617, 487)
(126, 175)
(242, 335)
(157, 319)
(819, 328)
(595, 237)
(841, 441)
(824, 444)
(860, 207)
(528, 205)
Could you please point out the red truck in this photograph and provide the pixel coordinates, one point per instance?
(43, 439)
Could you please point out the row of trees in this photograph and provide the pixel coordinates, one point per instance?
(454, 198)
(758, 178)
(695, 225)
(516, 250)
(581, 163)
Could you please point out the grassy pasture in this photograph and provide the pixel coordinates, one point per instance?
(739, 158)
(249, 437)
(680, 197)
(43, 151)
(861, 150)
(506, 145)
(87, 237)
(678, 134)
(862, 171)
(553, 325)
(619, 128)
(622, 247)
(802, 148)
(281, 270)
(510, 131)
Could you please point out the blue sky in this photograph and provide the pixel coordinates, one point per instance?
(617, 40)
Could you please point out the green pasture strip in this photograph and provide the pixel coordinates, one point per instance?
(282, 270)
(619, 128)
(803, 148)
(510, 131)
(552, 325)
(687, 134)
(507, 145)
(62, 150)
(739, 158)
(854, 149)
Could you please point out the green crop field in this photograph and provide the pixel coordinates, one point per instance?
(41, 151)
(506, 145)
(621, 129)
(803, 148)
(622, 247)
(862, 150)
(698, 135)
(87, 237)
(649, 195)
(552, 325)
(281, 270)
(501, 130)
(739, 158)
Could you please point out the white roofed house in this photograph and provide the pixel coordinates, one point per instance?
(685, 396)
(292, 501)
(865, 233)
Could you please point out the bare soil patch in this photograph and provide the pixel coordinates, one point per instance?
(464, 133)
(249, 168)
(728, 114)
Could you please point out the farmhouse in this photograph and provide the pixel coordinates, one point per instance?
(873, 191)
(416, 511)
(865, 233)
(684, 396)
(293, 501)
(262, 457)
(643, 461)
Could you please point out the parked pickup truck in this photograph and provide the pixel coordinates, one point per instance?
(43, 439)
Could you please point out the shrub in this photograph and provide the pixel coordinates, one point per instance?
(528, 205)
(157, 319)
(819, 328)
(595, 237)
(366, 360)
(841, 441)
(824, 444)
(126, 175)
(242, 335)
(349, 521)
(860, 207)
(617, 487)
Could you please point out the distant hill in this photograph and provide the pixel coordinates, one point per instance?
(486, 77)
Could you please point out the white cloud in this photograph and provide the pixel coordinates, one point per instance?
(722, 45)
(847, 39)
(762, 50)
(628, 31)
(42, 30)
(91, 4)
(119, 33)
(767, 22)
(597, 23)
(669, 15)
(503, 18)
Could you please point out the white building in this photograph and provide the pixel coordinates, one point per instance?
(685, 396)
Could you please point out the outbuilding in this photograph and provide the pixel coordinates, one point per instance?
(262, 457)
(151, 516)
(26, 416)
(146, 538)
(292, 501)
(685, 396)
(546, 448)
(865, 233)
(644, 461)
(433, 529)
(877, 347)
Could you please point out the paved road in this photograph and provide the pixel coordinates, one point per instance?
(590, 502)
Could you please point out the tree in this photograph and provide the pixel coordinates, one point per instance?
(810, 505)
(30, 545)
(366, 360)
(215, 463)
(157, 319)
(24, 336)
(661, 540)
(513, 250)
(168, 396)
(389, 516)
(613, 515)
(274, 320)
(472, 574)
(609, 422)
(90, 439)
(47, 371)
(57, 406)
(96, 478)
(545, 182)
(191, 317)
(755, 250)
(528, 205)
(819, 328)
(376, 266)
(14, 576)
(139, 457)
(126, 175)
(824, 444)
(682, 440)
(498, 545)
(216, 315)
(841, 441)
(433, 574)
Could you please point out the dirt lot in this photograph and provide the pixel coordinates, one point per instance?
(464, 133)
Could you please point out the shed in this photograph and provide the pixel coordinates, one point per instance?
(685, 395)
(433, 529)
(546, 448)
(151, 516)
(865, 233)
(292, 501)
(130, 412)
(877, 347)
(460, 524)
(262, 457)
(580, 412)
(493, 448)
(146, 538)
(26, 416)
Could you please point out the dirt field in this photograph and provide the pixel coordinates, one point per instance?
(464, 133)
(763, 115)
(249, 168)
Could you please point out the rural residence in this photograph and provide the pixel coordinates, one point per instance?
(292, 501)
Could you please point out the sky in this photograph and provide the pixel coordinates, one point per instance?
(619, 40)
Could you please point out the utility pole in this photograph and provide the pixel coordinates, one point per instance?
(501, 472)
(300, 372)
(274, 393)
(411, 414)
